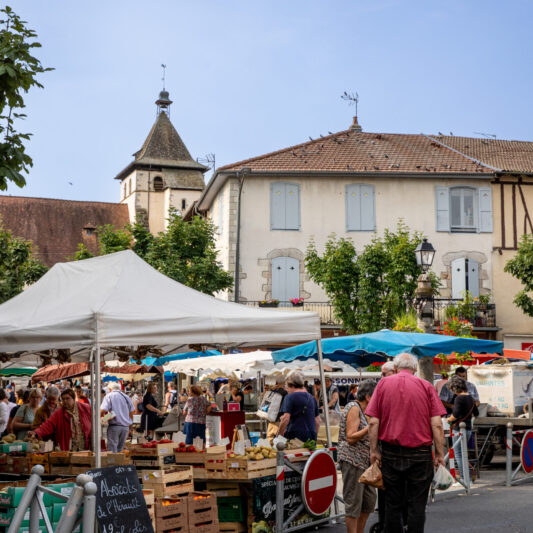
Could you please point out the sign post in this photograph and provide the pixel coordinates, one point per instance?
(319, 483)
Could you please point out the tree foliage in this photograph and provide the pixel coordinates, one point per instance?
(18, 71)
(184, 252)
(17, 266)
(368, 290)
(521, 267)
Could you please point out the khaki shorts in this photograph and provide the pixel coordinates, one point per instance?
(358, 497)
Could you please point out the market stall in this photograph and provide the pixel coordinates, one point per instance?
(91, 310)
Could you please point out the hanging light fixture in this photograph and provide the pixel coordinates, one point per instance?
(424, 255)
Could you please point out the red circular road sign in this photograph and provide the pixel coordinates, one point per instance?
(526, 452)
(319, 483)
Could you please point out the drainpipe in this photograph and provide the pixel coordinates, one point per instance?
(241, 174)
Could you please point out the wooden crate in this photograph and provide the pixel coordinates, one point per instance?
(149, 496)
(300, 459)
(37, 459)
(171, 514)
(215, 462)
(160, 450)
(176, 481)
(159, 462)
(202, 512)
(189, 458)
(232, 527)
(59, 458)
(242, 468)
(224, 489)
(61, 470)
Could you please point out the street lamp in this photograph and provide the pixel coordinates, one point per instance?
(424, 255)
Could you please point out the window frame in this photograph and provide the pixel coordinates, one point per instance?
(475, 206)
(272, 218)
(347, 190)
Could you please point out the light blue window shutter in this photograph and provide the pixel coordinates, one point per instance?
(485, 210)
(443, 208)
(220, 212)
(277, 206)
(293, 279)
(292, 206)
(353, 207)
(458, 278)
(473, 277)
(368, 216)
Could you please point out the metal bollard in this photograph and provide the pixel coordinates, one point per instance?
(509, 455)
(280, 486)
(89, 506)
(70, 512)
(31, 492)
(464, 456)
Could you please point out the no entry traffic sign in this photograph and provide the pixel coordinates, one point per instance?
(319, 483)
(526, 452)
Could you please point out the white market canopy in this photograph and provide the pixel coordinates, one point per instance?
(120, 300)
(243, 366)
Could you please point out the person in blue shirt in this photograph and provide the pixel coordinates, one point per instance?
(299, 411)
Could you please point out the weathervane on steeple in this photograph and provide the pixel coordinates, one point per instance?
(164, 101)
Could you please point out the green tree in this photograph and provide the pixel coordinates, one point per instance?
(18, 71)
(17, 266)
(368, 290)
(521, 267)
(185, 252)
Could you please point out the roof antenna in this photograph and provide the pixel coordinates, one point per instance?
(353, 99)
(487, 135)
(164, 74)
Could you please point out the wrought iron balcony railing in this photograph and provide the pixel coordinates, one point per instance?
(480, 315)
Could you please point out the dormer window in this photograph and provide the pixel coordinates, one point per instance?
(158, 183)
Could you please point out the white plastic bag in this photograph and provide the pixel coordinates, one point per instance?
(442, 480)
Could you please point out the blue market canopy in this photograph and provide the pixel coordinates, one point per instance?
(367, 348)
(160, 361)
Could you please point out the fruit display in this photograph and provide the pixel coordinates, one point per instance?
(9, 439)
(258, 453)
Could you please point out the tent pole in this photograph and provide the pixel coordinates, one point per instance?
(97, 429)
(324, 392)
(91, 370)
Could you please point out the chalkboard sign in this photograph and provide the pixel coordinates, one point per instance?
(120, 504)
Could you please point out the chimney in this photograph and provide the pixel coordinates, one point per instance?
(355, 126)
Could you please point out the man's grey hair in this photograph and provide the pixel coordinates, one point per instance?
(296, 378)
(114, 386)
(365, 388)
(389, 365)
(406, 361)
(52, 392)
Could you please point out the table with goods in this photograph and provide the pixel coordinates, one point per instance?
(205, 490)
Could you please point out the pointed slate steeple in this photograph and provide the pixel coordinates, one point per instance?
(163, 147)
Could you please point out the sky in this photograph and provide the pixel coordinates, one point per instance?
(249, 77)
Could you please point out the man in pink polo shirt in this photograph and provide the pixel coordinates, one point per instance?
(405, 416)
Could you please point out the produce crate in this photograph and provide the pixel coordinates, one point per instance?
(38, 459)
(232, 527)
(230, 509)
(159, 462)
(224, 489)
(243, 468)
(297, 451)
(177, 481)
(61, 470)
(202, 511)
(83, 461)
(16, 447)
(215, 462)
(171, 514)
(137, 450)
(59, 458)
(149, 496)
(16, 464)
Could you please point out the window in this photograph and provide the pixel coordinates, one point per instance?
(285, 278)
(129, 186)
(464, 209)
(158, 183)
(183, 204)
(125, 192)
(360, 209)
(465, 277)
(284, 206)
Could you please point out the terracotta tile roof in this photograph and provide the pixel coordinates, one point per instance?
(57, 226)
(348, 151)
(509, 156)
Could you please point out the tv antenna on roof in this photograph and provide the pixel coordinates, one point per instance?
(164, 73)
(488, 135)
(352, 99)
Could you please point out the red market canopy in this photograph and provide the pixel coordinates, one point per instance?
(74, 370)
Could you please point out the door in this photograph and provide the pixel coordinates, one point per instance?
(285, 278)
(465, 277)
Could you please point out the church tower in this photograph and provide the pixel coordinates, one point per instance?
(162, 175)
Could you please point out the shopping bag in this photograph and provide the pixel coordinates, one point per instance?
(442, 479)
(372, 476)
(270, 406)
